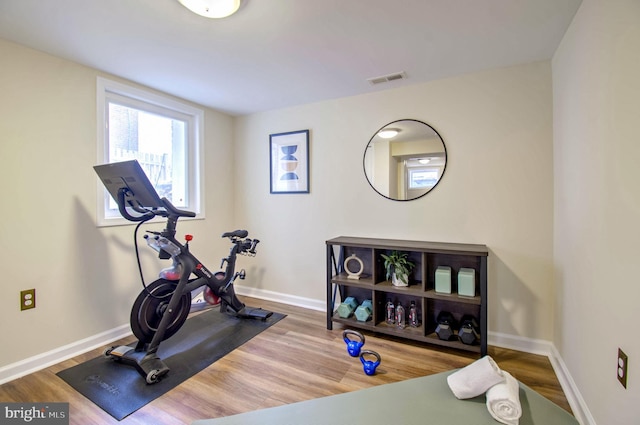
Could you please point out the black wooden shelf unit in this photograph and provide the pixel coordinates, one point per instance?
(427, 257)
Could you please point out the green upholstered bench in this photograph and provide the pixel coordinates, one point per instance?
(426, 400)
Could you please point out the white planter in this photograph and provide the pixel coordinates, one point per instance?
(397, 282)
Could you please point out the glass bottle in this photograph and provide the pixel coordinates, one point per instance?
(391, 313)
(400, 319)
(413, 315)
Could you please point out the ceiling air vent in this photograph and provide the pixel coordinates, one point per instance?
(387, 78)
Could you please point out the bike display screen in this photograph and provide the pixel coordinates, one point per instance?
(129, 175)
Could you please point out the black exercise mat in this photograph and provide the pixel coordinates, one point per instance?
(120, 390)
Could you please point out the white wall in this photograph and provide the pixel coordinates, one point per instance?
(596, 96)
(85, 277)
(497, 189)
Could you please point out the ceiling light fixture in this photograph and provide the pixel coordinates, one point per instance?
(212, 8)
(388, 133)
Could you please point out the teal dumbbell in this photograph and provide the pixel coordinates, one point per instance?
(364, 311)
(347, 307)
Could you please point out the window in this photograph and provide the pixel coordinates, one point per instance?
(421, 178)
(162, 134)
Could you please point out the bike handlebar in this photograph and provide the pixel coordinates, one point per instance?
(175, 211)
(148, 213)
(247, 246)
(252, 249)
(122, 207)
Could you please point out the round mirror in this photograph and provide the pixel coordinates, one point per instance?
(404, 160)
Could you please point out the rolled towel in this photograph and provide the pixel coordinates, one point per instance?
(475, 379)
(503, 401)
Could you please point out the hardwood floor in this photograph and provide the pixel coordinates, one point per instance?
(296, 359)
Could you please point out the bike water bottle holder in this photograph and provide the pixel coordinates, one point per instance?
(165, 248)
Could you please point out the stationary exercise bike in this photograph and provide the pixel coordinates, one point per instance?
(163, 306)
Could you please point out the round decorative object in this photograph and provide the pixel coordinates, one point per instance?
(351, 274)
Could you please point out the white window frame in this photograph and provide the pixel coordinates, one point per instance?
(146, 100)
(413, 170)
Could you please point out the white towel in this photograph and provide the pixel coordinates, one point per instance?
(503, 401)
(475, 379)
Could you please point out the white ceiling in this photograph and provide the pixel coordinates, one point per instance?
(279, 53)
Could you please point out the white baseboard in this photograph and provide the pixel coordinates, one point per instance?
(310, 303)
(57, 355)
(547, 348)
(514, 342)
(577, 403)
(44, 360)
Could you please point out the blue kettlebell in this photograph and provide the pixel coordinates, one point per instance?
(368, 365)
(353, 346)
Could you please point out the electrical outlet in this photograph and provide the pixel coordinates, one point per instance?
(27, 299)
(623, 361)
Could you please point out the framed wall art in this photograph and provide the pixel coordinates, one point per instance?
(289, 157)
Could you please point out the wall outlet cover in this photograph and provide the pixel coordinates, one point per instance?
(623, 361)
(27, 299)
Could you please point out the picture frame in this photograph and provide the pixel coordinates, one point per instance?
(289, 162)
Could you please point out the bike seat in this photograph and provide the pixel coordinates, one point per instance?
(236, 234)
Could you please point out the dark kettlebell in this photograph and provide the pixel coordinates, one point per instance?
(368, 365)
(353, 346)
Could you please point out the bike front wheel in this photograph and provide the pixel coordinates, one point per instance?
(151, 305)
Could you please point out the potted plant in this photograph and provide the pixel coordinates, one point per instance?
(398, 267)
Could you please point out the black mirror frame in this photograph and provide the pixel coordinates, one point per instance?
(364, 169)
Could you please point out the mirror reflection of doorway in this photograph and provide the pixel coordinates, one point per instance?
(404, 160)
